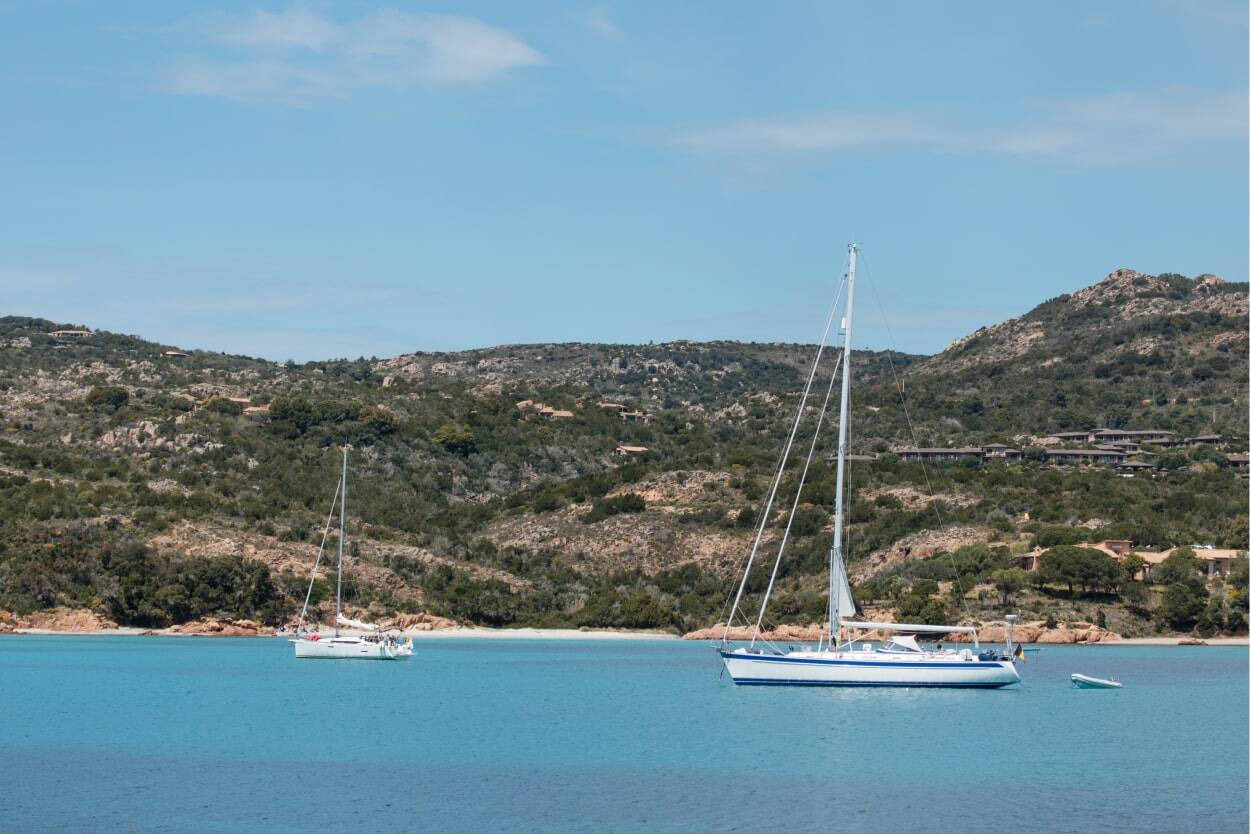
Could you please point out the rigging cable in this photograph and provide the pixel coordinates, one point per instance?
(324, 535)
(902, 396)
(785, 456)
(798, 493)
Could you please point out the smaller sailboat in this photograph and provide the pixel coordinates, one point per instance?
(374, 643)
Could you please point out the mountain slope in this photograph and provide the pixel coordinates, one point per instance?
(152, 484)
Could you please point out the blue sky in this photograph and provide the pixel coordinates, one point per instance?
(341, 179)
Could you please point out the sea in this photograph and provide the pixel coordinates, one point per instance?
(152, 734)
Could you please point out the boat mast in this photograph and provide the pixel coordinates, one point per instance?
(338, 600)
(835, 554)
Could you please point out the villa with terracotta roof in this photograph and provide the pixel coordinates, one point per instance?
(625, 451)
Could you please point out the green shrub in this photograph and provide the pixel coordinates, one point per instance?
(629, 502)
(107, 398)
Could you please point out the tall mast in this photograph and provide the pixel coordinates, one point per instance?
(338, 600)
(835, 554)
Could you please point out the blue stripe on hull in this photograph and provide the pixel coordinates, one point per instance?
(771, 682)
(891, 664)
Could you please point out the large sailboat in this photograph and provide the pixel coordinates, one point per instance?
(843, 657)
(373, 643)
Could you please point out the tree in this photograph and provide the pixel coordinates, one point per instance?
(629, 502)
(1053, 536)
(1009, 582)
(1132, 565)
(746, 517)
(107, 397)
(294, 411)
(1181, 606)
(1071, 565)
(456, 438)
(1061, 565)
(808, 521)
(1181, 566)
(223, 405)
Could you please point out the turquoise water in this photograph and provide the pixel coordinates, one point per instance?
(187, 735)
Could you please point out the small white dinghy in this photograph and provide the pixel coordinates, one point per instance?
(1086, 682)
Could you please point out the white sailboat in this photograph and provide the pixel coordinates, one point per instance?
(376, 643)
(846, 659)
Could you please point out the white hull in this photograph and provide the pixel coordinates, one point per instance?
(868, 668)
(1086, 682)
(350, 648)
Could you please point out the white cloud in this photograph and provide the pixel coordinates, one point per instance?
(293, 28)
(298, 56)
(1120, 127)
(600, 21)
(825, 131)
(1126, 126)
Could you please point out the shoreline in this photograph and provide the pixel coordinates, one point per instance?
(1176, 641)
(559, 634)
(455, 633)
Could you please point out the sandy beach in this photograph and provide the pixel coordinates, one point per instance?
(1176, 642)
(562, 634)
(488, 633)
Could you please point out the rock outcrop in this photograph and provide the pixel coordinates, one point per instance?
(422, 622)
(211, 627)
(56, 619)
(1037, 632)
(782, 633)
(919, 545)
(994, 632)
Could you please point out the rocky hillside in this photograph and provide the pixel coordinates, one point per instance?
(1163, 351)
(596, 485)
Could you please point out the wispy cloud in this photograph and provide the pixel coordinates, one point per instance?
(1121, 127)
(600, 21)
(299, 55)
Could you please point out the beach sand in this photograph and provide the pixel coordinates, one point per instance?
(1175, 642)
(564, 634)
(488, 633)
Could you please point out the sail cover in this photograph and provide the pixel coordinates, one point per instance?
(905, 641)
(845, 603)
(350, 623)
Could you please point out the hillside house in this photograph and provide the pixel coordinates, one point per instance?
(613, 406)
(175, 354)
(1132, 435)
(635, 416)
(1240, 461)
(1070, 456)
(625, 451)
(999, 451)
(559, 414)
(1208, 440)
(935, 455)
(70, 334)
(1217, 561)
(1066, 437)
(1138, 436)
(1117, 549)
(1132, 466)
